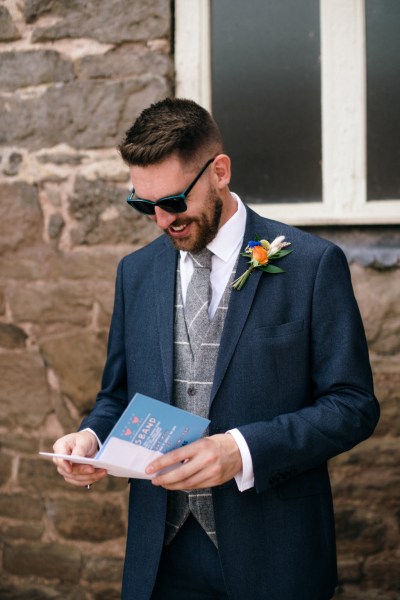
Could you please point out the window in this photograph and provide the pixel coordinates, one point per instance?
(383, 98)
(343, 32)
(266, 96)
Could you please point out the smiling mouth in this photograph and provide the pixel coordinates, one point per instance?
(178, 228)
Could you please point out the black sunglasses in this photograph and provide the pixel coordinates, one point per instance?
(172, 204)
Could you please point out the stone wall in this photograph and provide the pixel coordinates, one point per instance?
(73, 77)
(366, 480)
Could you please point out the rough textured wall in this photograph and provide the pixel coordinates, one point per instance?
(73, 77)
(366, 481)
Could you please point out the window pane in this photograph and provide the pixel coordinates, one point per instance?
(267, 96)
(383, 98)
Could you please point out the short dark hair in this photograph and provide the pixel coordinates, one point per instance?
(172, 125)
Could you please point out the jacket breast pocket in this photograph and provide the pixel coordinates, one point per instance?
(284, 329)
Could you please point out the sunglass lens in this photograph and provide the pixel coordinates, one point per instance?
(174, 206)
(171, 205)
(142, 207)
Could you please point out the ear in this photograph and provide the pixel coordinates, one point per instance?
(222, 171)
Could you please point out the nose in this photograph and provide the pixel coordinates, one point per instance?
(163, 218)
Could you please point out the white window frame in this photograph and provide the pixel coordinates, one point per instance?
(343, 82)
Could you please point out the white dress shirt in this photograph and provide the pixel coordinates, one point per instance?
(225, 248)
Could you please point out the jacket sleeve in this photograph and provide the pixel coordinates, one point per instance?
(342, 409)
(112, 399)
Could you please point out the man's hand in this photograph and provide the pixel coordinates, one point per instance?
(83, 443)
(206, 463)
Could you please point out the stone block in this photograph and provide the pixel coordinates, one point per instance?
(78, 361)
(33, 67)
(30, 263)
(58, 157)
(113, 484)
(64, 414)
(89, 114)
(55, 227)
(91, 263)
(19, 442)
(359, 532)
(86, 518)
(349, 569)
(124, 61)
(12, 336)
(27, 592)
(33, 591)
(5, 468)
(25, 531)
(102, 215)
(371, 484)
(139, 97)
(111, 21)
(12, 163)
(374, 452)
(349, 592)
(82, 264)
(386, 372)
(21, 221)
(21, 507)
(24, 394)
(103, 568)
(8, 30)
(37, 475)
(2, 301)
(52, 302)
(34, 9)
(378, 295)
(105, 302)
(49, 560)
(107, 594)
(383, 571)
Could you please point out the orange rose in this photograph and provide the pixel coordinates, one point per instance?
(260, 255)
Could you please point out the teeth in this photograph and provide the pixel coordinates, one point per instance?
(178, 227)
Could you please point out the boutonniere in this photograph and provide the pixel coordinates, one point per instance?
(260, 253)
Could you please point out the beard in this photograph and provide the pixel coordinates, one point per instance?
(204, 227)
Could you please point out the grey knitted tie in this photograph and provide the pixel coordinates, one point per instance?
(198, 296)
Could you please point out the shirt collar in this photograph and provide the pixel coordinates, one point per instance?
(229, 238)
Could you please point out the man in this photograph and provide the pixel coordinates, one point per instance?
(280, 367)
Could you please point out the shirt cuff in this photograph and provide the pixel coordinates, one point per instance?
(91, 431)
(244, 479)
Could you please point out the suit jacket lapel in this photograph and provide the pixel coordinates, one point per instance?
(240, 301)
(164, 277)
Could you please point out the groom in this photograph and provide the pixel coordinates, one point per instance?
(280, 367)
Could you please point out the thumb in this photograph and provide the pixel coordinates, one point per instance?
(83, 446)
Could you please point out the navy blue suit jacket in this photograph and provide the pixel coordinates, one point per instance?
(292, 374)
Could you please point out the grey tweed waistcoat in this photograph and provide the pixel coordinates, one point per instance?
(194, 367)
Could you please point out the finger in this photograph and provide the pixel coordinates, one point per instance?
(191, 471)
(167, 460)
(75, 469)
(200, 479)
(62, 465)
(78, 471)
(180, 455)
(84, 480)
